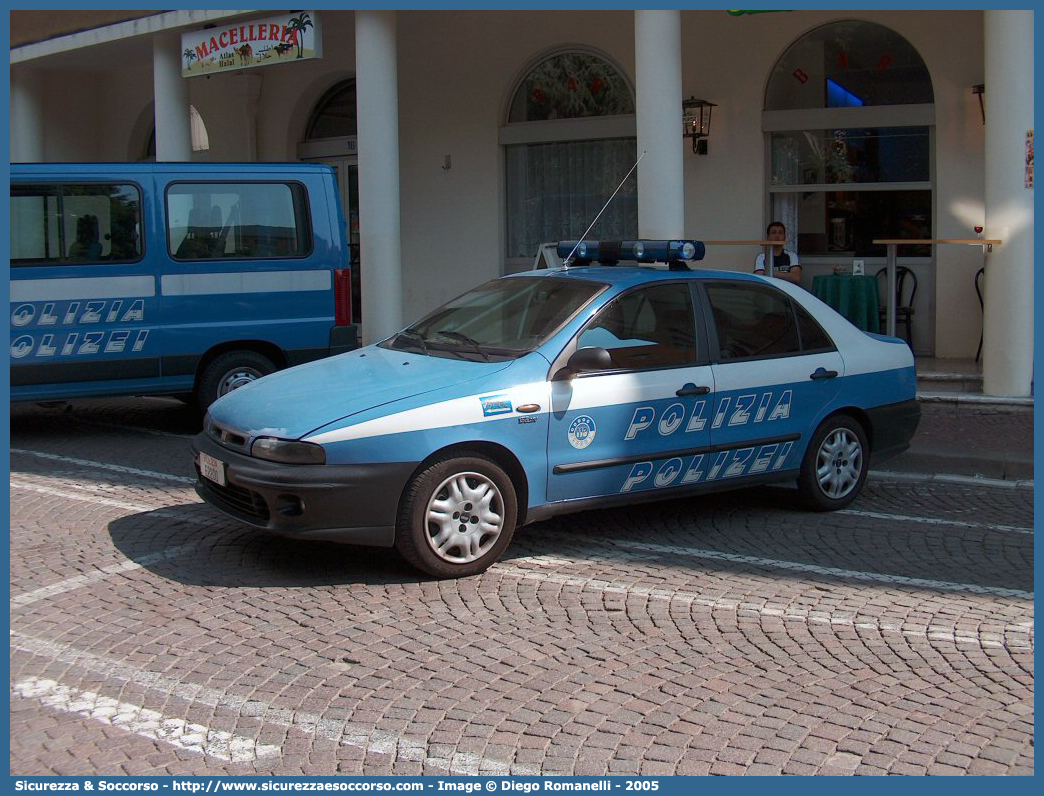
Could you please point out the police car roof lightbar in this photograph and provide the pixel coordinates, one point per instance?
(565, 260)
(609, 252)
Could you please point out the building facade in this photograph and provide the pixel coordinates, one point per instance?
(464, 139)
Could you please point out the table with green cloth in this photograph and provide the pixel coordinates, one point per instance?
(855, 297)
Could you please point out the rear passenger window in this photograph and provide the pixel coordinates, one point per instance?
(753, 321)
(813, 338)
(71, 224)
(237, 220)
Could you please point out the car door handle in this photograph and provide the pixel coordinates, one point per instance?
(692, 389)
(823, 373)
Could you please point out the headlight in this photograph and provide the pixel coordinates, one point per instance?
(288, 451)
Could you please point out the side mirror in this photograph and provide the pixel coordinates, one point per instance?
(585, 360)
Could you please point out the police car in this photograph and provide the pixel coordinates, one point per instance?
(623, 376)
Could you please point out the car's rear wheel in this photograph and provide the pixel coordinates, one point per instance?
(835, 464)
(230, 371)
(457, 517)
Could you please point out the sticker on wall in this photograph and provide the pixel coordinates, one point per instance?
(1029, 159)
(582, 432)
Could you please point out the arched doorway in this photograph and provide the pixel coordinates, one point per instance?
(330, 138)
(849, 118)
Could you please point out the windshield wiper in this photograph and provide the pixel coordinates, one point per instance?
(471, 341)
(415, 336)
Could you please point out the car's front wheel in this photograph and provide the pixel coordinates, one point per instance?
(457, 517)
(835, 464)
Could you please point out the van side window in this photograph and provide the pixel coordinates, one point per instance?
(237, 221)
(60, 224)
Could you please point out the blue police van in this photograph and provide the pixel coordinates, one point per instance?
(173, 278)
(591, 385)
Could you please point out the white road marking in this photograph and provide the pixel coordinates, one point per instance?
(850, 574)
(79, 581)
(88, 495)
(1018, 636)
(144, 722)
(986, 526)
(116, 468)
(344, 732)
(92, 497)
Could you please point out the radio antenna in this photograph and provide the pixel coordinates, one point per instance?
(565, 262)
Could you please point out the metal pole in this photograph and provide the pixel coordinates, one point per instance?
(770, 262)
(890, 298)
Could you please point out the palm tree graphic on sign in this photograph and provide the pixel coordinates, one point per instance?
(190, 56)
(298, 25)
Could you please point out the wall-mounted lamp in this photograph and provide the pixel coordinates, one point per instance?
(980, 89)
(696, 116)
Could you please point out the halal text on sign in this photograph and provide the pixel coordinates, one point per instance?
(259, 42)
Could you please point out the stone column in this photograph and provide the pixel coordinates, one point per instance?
(658, 75)
(377, 100)
(173, 135)
(1007, 351)
(26, 115)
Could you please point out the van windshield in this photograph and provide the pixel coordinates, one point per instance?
(499, 320)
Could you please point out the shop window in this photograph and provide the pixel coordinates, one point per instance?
(836, 188)
(577, 144)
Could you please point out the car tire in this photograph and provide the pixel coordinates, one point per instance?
(835, 465)
(228, 372)
(470, 492)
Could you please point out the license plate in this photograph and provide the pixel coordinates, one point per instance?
(212, 469)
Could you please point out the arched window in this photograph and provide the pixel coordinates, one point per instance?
(570, 86)
(569, 140)
(334, 115)
(849, 110)
(197, 130)
(848, 64)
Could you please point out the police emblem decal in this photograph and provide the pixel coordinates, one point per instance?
(581, 432)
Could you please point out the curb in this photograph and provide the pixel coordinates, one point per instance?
(953, 479)
(973, 400)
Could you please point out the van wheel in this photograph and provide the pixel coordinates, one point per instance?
(229, 372)
(457, 517)
(835, 464)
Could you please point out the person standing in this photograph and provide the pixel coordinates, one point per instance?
(784, 262)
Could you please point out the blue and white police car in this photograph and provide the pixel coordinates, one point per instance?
(592, 385)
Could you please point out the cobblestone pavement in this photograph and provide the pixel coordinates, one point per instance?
(730, 634)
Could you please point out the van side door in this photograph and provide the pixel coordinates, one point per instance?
(248, 267)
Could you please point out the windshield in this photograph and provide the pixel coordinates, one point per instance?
(499, 320)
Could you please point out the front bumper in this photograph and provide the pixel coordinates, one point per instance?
(353, 503)
(892, 427)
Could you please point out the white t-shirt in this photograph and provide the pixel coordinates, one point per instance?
(781, 262)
